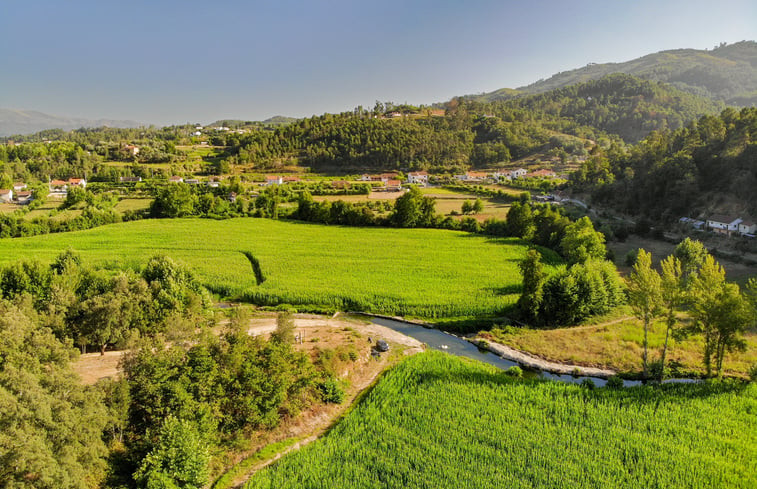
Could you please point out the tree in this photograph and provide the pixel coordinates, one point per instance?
(179, 459)
(284, 332)
(478, 206)
(534, 278)
(735, 316)
(581, 242)
(467, 207)
(673, 295)
(175, 200)
(704, 295)
(645, 296)
(691, 254)
(413, 209)
(520, 221)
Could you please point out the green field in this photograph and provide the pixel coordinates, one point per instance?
(415, 272)
(438, 421)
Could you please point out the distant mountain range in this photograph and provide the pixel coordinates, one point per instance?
(725, 74)
(30, 121)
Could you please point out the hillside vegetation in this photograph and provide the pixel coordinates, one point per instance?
(727, 73)
(441, 421)
(415, 272)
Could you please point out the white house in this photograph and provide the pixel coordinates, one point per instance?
(176, 179)
(273, 180)
(77, 182)
(18, 186)
(23, 197)
(504, 174)
(519, 173)
(192, 181)
(747, 226)
(723, 224)
(131, 149)
(418, 177)
(6, 195)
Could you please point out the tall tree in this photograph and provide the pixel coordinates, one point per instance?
(673, 294)
(582, 242)
(705, 293)
(691, 253)
(534, 278)
(735, 315)
(645, 296)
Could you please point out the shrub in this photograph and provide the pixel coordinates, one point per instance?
(615, 382)
(514, 371)
(332, 391)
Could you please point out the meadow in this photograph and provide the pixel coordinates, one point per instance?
(440, 421)
(414, 272)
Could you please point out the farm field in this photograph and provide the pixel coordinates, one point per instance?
(440, 421)
(412, 272)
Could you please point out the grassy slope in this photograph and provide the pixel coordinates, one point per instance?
(440, 421)
(423, 272)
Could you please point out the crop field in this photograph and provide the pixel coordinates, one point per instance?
(440, 421)
(415, 272)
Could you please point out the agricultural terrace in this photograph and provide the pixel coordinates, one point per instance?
(441, 421)
(414, 272)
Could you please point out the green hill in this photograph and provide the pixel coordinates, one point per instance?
(727, 73)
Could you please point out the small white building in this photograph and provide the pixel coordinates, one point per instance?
(77, 182)
(175, 179)
(18, 186)
(273, 180)
(722, 224)
(747, 226)
(418, 177)
(6, 195)
(519, 173)
(24, 197)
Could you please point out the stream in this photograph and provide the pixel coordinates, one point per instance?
(449, 343)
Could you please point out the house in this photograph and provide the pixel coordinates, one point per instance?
(541, 174)
(6, 195)
(24, 197)
(502, 175)
(273, 180)
(175, 179)
(233, 197)
(213, 184)
(418, 177)
(58, 188)
(18, 186)
(748, 226)
(393, 185)
(365, 177)
(519, 173)
(77, 182)
(695, 223)
(290, 179)
(131, 149)
(722, 224)
(385, 177)
(129, 179)
(192, 181)
(472, 176)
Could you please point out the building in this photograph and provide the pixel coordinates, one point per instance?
(695, 223)
(131, 149)
(418, 177)
(192, 181)
(290, 179)
(175, 179)
(18, 186)
(748, 227)
(273, 180)
(6, 195)
(77, 182)
(393, 185)
(129, 179)
(519, 173)
(723, 224)
(24, 197)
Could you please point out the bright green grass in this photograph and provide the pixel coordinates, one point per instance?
(438, 421)
(418, 272)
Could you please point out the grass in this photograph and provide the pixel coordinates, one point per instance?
(132, 204)
(415, 272)
(619, 346)
(441, 421)
(227, 480)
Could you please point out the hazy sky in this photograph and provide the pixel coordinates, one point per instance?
(165, 61)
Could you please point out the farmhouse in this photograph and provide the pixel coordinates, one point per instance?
(519, 173)
(418, 177)
(6, 195)
(23, 197)
(747, 227)
(77, 182)
(175, 179)
(393, 185)
(192, 181)
(18, 186)
(695, 223)
(273, 180)
(291, 179)
(472, 176)
(131, 149)
(723, 224)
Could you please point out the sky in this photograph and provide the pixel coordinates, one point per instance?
(169, 62)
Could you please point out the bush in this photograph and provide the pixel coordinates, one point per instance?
(753, 373)
(514, 371)
(615, 382)
(589, 384)
(332, 391)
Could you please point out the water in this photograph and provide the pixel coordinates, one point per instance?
(435, 339)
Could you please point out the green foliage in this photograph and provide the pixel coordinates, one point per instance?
(179, 458)
(514, 371)
(435, 417)
(332, 391)
(614, 382)
(413, 209)
(581, 242)
(51, 426)
(534, 279)
(645, 296)
(284, 332)
(520, 221)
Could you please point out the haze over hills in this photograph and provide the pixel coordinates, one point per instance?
(14, 121)
(727, 73)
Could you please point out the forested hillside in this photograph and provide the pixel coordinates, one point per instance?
(709, 164)
(727, 73)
